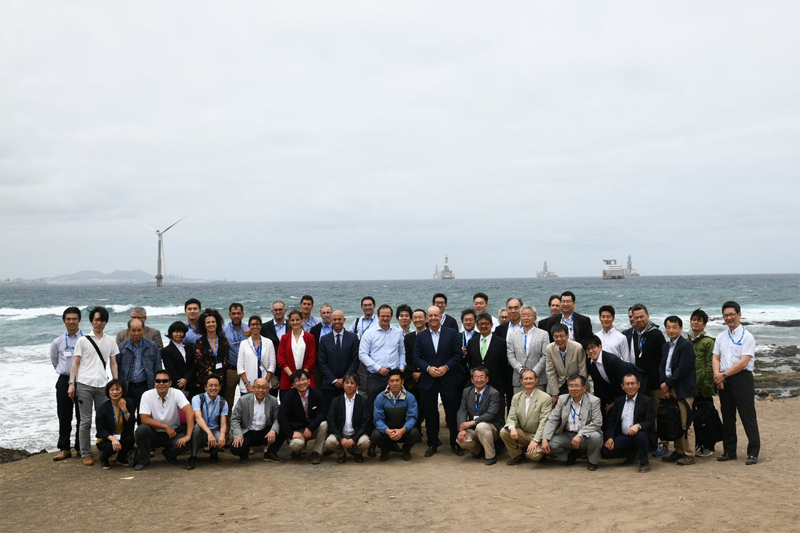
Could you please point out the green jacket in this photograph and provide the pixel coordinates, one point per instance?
(704, 351)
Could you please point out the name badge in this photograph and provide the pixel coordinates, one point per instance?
(67, 354)
(219, 365)
(117, 436)
(475, 417)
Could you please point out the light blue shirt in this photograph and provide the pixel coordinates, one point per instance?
(310, 323)
(325, 329)
(235, 338)
(62, 350)
(669, 359)
(382, 348)
(137, 373)
(210, 410)
(363, 325)
(191, 335)
(627, 413)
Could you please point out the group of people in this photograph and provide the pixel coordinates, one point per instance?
(549, 389)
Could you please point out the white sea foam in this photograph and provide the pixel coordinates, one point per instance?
(33, 312)
(28, 404)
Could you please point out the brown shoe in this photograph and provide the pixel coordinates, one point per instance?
(685, 460)
(406, 455)
(314, 458)
(518, 460)
(341, 458)
(63, 454)
(87, 460)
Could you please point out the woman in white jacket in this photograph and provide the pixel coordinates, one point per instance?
(256, 357)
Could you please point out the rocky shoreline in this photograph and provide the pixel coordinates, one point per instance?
(7, 455)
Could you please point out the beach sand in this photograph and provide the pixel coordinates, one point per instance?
(442, 493)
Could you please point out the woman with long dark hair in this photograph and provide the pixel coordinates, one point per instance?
(211, 349)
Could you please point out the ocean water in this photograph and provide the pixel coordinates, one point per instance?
(30, 318)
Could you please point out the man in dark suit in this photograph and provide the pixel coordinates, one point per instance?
(349, 422)
(631, 420)
(302, 416)
(488, 350)
(555, 311)
(337, 356)
(506, 331)
(580, 326)
(480, 416)
(607, 371)
(678, 380)
(437, 353)
(647, 341)
(411, 378)
(273, 330)
(319, 330)
(440, 301)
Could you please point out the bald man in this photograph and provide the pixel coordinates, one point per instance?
(337, 356)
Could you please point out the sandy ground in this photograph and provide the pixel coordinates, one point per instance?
(442, 493)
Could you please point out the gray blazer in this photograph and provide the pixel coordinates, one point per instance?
(591, 416)
(534, 358)
(242, 417)
(492, 407)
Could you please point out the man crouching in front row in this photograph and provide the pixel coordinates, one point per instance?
(395, 415)
(574, 424)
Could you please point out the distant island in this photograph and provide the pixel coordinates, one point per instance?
(93, 277)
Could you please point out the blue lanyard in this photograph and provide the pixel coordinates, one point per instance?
(739, 342)
(478, 402)
(572, 412)
(525, 345)
(258, 351)
(364, 324)
(66, 339)
(237, 335)
(642, 340)
(213, 350)
(569, 322)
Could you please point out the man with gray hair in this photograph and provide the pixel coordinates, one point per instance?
(138, 361)
(151, 334)
(527, 348)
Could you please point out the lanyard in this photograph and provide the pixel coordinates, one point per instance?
(569, 322)
(739, 342)
(525, 345)
(237, 334)
(572, 412)
(478, 402)
(642, 340)
(66, 340)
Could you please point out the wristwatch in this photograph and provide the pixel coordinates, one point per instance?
(724, 375)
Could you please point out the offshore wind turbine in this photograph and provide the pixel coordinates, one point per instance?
(160, 233)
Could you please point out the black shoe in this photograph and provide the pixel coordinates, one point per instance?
(384, 455)
(359, 457)
(171, 459)
(272, 457)
(141, 466)
(214, 456)
(327, 453)
(191, 462)
(315, 459)
(371, 451)
(244, 459)
(296, 456)
(456, 449)
(431, 451)
(592, 467)
(726, 457)
(671, 458)
(105, 465)
(572, 458)
(438, 442)
(492, 461)
(751, 460)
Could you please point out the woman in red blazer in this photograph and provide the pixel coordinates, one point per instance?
(293, 345)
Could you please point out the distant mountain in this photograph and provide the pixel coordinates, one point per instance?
(117, 275)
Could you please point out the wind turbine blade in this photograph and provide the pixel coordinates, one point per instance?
(166, 230)
(146, 226)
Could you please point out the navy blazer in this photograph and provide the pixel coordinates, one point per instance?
(450, 322)
(496, 361)
(268, 331)
(581, 327)
(292, 416)
(683, 379)
(449, 355)
(104, 419)
(616, 369)
(362, 417)
(334, 363)
(643, 414)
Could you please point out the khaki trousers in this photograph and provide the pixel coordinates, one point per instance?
(685, 446)
(318, 436)
(516, 447)
(333, 444)
(481, 436)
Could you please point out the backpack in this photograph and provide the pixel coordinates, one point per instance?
(707, 425)
(668, 421)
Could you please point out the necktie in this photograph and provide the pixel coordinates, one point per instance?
(305, 404)
(339, 341)
(478, 397)
(563, 357)
(483, 348)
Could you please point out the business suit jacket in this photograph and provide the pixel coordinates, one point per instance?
(558, 372)
(649, 357)
(293, 417)
(177, 367)
(538, 412)
(684, 378)
(643, 414)
(591, 416)
(286, 358)
(449, 354)
(615, 369)
(535, 358)
(492, 407)
(104, 419)
(411, 386)
(546, 323)
(335, 362)
(268, 331)
(495, 360)
(581, 327)
(362, 417)
(450, 322)
(242, 416)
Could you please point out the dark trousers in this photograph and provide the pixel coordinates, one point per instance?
(382, 440)
(739, 395)
(628, 446)
(451, 401)
(134, 392)
(107, 450)
(147, 438)
(376, 384)
(65, 406)
(257, 438)
(331, 394)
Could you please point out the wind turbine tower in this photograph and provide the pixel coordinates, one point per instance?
(160, 233)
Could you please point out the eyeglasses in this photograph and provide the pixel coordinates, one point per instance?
(162, 381)
(260, 387)
(730, 315)
(279, 310)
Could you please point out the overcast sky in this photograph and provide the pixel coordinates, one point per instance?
(366, 140)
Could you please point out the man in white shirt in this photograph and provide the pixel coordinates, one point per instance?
(95, 353)
(734, 353)
(613, 341)
(480, 302)
(349, 421)
(160, 425)
(61, 350)
(255, 423)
